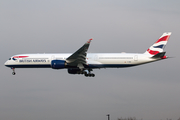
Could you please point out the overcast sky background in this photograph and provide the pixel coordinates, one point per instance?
(150, 91)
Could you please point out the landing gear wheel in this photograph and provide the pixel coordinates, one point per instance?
(86, 74)
(13, 73)
(89, 75)
(93, 75)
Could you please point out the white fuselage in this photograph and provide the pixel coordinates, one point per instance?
(81, 62)
(94, 60)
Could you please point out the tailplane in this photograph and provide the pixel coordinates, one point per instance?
(157, 48)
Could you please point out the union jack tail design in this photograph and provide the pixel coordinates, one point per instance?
(159, 45)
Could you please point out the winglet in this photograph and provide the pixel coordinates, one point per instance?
(89, 41)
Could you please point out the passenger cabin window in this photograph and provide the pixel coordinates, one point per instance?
(9, 58)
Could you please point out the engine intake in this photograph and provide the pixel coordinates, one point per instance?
(58, 64)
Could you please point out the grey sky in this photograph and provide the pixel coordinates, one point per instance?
(149, 91)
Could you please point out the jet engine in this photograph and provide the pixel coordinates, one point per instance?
(58, 64)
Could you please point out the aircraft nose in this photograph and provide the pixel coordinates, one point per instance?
(6, 63)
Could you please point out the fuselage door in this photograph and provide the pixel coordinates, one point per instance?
(96, 57)
(136, 58)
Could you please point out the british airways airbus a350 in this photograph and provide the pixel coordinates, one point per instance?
(81, 62)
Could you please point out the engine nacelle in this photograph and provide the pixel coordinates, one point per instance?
(73, 71)
(58, 64)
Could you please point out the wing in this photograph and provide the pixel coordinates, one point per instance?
(78, 59)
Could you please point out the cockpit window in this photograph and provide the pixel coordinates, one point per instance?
(9, 58)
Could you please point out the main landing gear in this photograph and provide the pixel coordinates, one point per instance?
(88, 73)
(13, 71)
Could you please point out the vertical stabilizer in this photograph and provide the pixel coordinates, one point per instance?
(159, 45)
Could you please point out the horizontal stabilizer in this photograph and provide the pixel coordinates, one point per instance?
(159, 55)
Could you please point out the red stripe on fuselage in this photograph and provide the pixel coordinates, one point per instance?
(20, 56)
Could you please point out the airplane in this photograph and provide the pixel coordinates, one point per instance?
(81, 62)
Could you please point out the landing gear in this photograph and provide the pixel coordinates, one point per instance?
(13, 71)
(88, 73)
(85, 72)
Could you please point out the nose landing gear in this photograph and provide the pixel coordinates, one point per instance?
(13, 71)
